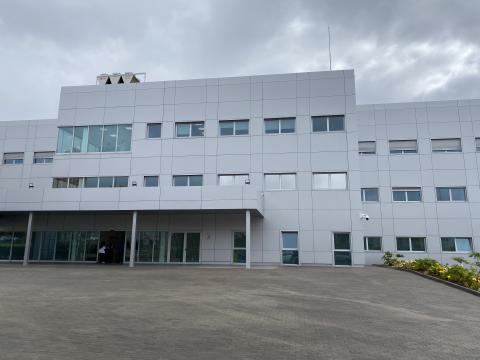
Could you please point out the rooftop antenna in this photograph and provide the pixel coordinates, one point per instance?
(329, 49)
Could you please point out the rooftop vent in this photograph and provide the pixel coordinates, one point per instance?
(117, 78)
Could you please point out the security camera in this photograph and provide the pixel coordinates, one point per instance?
(364, 216)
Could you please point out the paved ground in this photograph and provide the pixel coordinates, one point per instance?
(112, 312)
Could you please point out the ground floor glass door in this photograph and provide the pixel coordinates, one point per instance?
(185, 247)
(192, 249)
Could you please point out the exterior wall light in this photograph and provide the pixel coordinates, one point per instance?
(134, 183)
(30, 186)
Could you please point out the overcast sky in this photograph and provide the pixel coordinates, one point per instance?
(400, 50)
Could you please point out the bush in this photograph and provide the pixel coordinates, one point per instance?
(391, 259)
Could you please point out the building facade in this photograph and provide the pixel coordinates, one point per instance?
(274, 169)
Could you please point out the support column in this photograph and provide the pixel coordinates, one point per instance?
(28, 239)
(133, 239)
(247, 239)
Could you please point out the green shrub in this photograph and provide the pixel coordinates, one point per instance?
(424, 264)
(391, 259)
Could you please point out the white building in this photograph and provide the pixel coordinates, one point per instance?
(260, 169)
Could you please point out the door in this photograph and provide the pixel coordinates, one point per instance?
(185, 247)
(192, 250)
(176, 247)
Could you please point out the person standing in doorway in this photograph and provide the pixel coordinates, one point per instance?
(101, 254)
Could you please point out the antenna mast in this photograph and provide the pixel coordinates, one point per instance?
(329, 49)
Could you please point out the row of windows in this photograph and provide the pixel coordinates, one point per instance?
(417, 244)
(411, 146)
(90, 182)
(16, 158)
(415, 194)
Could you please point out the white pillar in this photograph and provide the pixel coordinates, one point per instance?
(28, 239)
(247, 239)
(133, 239)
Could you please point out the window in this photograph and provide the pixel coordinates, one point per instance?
(290, 247)
(60, 183)
(233, 127)
(91, 182)
(342, 254)
(330, 181)
(12, 245)
(328, 123)
(454, 244)
(44, 157)
(407, 194)
(150, 181)
(15, 158)
(411, 244)
(97, 138)
(280, 181)
(403, 146)
(120, 181)
(75, 182)
(239, 247)
(451, 194)
(372, 243)
(367, 147)
(369, 194)
(187, 180)
(154, 130)
(446, 145)
(189, 129)
(477, 144)
(228, 180)
(280, 125)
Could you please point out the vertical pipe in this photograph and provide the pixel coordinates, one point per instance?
(133, 239)
(28, 239)
(247, 239)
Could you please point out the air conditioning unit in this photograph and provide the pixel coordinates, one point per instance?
(118, 78)
(102, 79)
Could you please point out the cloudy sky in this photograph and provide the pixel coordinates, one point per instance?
(400, 50)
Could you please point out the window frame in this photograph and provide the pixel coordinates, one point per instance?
(363, 197)
(366, 244)
(455, 238)
(188, 180)
(342, 250)
(234, 176)
(446, 150)
(314, 187)
(234, 122)
(150, 176)
(280, 127)
(328, 117)
(14, 160)
(402, 151)
(35, 158)
(279, 181)
(368, 152)
(284, 249)
(450, 197)
(236, 248)
(190, 123)
(477, 144)
(405, 190)
(148, 130)
(410, 244)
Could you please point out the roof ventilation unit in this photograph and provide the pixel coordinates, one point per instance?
(117, 78)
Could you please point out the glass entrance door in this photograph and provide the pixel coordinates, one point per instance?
(176, 247)
(185, 247)
(192, 250)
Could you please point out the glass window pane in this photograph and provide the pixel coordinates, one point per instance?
(150, 181)
(272, 182)
(124, 137)
(418, 244)
(182, 129)
(62, 246)
(48, 245)
(91, 246)
(43, 157)
(226, 127)
(414, 195)
(60, 183)
(338, 181)
(239, 256)
(95, 138)
(176, 247)
(91, 182)
(239, 239)
(341, 241)
(120, 181)
(65, 139)
(403, 244)
(105, 181)
(374, 243)
(77, 246)
(197, 128)
(154, 131)
(290, 257)
(161, 247)
(241, 127)
(443, 194)
(399, 195)
(463, 244)
(192, 250)
(320, 181)
(196, 180)
(448, 244)
(225, 180)
(287, 125)
(75, 182)
(180, 180)
(342, 258)
(319, 123)
(80, 139)
(287, 181)
(367, 147)
(272, 126)
(145, 246)
(109, 138)
(458, 194)
(5, 245)
(336, 123)
(370, 194)
(290, 240)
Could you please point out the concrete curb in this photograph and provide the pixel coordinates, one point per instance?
(445, 282)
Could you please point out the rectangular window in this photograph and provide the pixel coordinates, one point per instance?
(14, 158)
(372, 243)
(154, 130)
(456, 244)
(280, 181)
(95, 136)
(59, 183)
(187, 180)
(229, 180)
(120, 181)
(150, 181)
(109, 138)
(105, 181)
(446, 145)
(239, 247)
(411, 244)
(80, 139)
(403, 146)
(407, 194)
(367, 147)
(290, 247)
(451, 194)
(342, 254)
(330, 181)
(189, 129)
(370, 194)
(124, 137)
(233, 127)
(65, 139)
(328, 123)
(75, 182)
(477, 144)
(91, 182)
(280, 125)
(43, 157)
